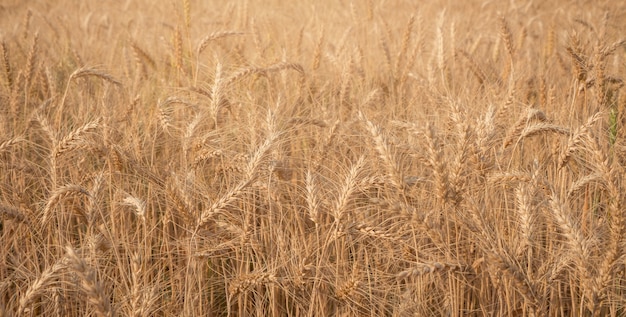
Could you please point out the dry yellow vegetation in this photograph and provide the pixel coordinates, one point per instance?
(312, 158)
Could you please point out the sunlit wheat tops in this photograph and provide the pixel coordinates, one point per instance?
(318, 158)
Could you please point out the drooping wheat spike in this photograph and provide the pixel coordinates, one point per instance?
(138, 204)
(509, 176)
(206, 155)
(531, 115)
(582, 182)
(57, 196)
(577, 138)
(374, 232)
(116, 158)
(83, 72)
(13, 213)
(59, 303)
(89, 284)
(220, 205)
(543, 92)
(204, 43)
(308, 121)
(75, 139)
(346, 291)
(166, 111)
(281, 66)
(89, 71)
(601, 80)
(609, 50)
(541, 127)
(243, 283)
(93, 204)
(6, 145)
(40, 284)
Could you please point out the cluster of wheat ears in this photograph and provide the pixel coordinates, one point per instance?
(317, 158)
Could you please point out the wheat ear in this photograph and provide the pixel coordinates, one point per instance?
(577, 139)
(13, 213)
(31, 61)
(75, 139)
(40, 284)
(385, 152)
(8, 72)
(58, 195)
(89, 283)
(250, 172)
(6, 145)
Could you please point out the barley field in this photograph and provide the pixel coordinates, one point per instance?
(312, 158)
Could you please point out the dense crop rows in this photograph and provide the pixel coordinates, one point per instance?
(312, 158)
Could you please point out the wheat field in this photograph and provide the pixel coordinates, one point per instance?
(312, 158)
